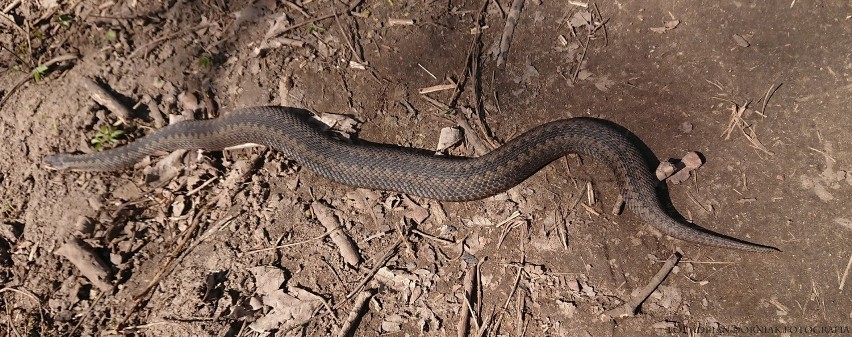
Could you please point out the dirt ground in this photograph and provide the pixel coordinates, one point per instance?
(186, 244)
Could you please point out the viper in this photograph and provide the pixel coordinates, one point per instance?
(381, 167)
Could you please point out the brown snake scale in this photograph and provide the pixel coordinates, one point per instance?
(393, 169)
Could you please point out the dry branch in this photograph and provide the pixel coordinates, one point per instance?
(509, 30)
(629, 307)
(332, 225)
(359, 308)
(103, 97)
(466, 311)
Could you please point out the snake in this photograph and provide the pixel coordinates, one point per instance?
(397, 169)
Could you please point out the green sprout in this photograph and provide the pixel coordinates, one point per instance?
(39, 72)
(106, 135)
(65, 20)
(205, 61)
(315, 28)
(111, 35)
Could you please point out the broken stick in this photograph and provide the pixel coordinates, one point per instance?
(103, 97)
(509, 30)
(335, 231)
(359, 308)
(629, 307)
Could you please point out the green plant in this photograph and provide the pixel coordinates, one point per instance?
(111, 35)
(315, 28)
(205, 61)
(38, 72)
(65, 20)
(106, 135)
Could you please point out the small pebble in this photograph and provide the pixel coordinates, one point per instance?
(686, 127)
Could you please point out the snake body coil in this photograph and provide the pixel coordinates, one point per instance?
(441, 178)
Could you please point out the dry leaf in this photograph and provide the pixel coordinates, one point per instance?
(289, 310)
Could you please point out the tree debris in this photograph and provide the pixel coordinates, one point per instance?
(509, 31)
(629, 307)
(81, 255)
(358, 309)
(105, 98)
(332, 224)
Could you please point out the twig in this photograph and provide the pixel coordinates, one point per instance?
(297, 8)
(508, 31)
(469, 282)
(505, 232)
(287, 245)
(845, 273)
(520, 305)
(358, 310)
(350, 44)
(582, 57)
(403, 235)
(11, 6)
(769, 94)
(629, 307)
(202, 186)
(105, 98)
(14, 54)
(29, 77)
(49, 14)
(34, 298)
(441, 106)
(602, 24)
(167, 266)
(432, 237)
(439, 87)
(474, 44)
(472, 138)
(25, 33)
(9, 316)
(823, 153)
(145, 48)
(505, 308)
(351, 7)
(390, 253)
(221, 223)
(88, 311)
(429, 72)
(400, 22)
(737, 121)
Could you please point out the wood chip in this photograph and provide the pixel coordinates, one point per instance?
(326, 217)
(435, 88)
(741, 41)
(400, 22)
